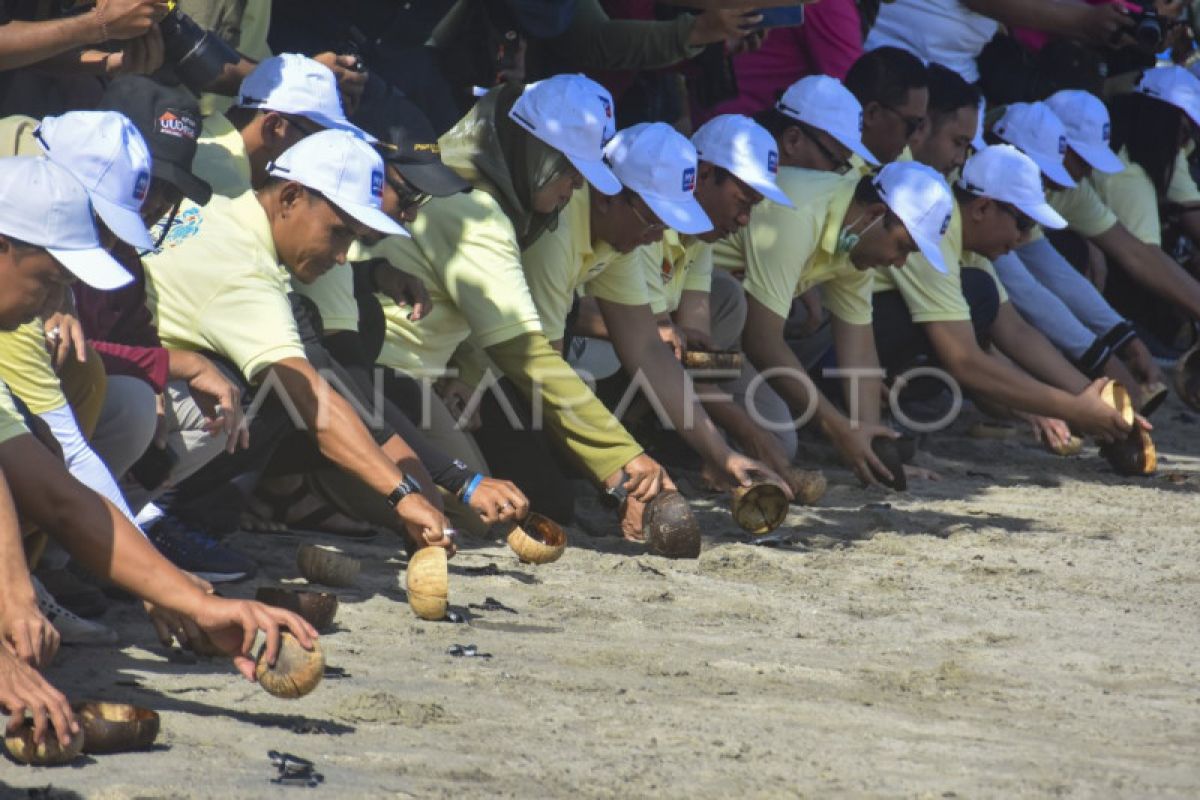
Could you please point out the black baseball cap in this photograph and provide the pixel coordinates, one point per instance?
(408, 142)
(169, 120)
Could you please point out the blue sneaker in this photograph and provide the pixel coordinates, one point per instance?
(197, 553)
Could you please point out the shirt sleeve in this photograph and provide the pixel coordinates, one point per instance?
(775, 247)
(699, 272)
(594, 41)
(622, 281)
(1131, 196)
(848, 296)
(549, 266)
(12, 424)
(250, 322)
(1182, 188)
(930, 295)
(1084, 211)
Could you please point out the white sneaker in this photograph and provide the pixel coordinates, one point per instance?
(72, 628)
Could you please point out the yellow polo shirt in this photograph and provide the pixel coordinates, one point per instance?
(673, 265)
(12, 424)
(1132, 197)
(221, 157)
(566, 260)
(1183, 189)
(784, 252)
(1082, 208)
(465, 251)
(217, 285)
(930, 295)
(333, 293)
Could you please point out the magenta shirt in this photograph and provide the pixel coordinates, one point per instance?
(828, 43)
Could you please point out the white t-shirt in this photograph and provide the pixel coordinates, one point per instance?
(941, 31)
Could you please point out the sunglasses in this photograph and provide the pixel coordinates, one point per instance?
(1024, 222)
(409, 197)
(649, 227)
(911, 124)
(840, 165)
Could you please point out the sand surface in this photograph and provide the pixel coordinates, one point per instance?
(1027, 627)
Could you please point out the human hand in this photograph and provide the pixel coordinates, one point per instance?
(23, 689)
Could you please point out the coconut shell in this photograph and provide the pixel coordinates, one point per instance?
(116, 727)
(1134, 455)
(719, 359)
(759, 508)
(1072, 447)
(327, 566)
(317, 608)
(538, 540)
(296, 672)
(427, 581)
(49, 753)
(887, 451)
(1115, 395)
(1187, 378)
(807, 485)
(670, 528)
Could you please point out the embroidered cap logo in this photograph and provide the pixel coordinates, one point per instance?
(689, 180)
(141, 186)
(773, 162)
(174, 123)
(377, 184)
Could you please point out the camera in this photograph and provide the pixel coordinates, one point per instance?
(195, 55)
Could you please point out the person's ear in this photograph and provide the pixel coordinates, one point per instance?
(5, 244)
(876, 210)
(871, 112)
(290, 195)
(791, 142)
(979, 208)
(706, 172)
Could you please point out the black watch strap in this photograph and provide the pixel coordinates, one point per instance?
(403, 489)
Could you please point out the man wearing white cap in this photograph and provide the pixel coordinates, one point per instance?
(523, 150)
(818, 125)
(840, 228)
(1043, 286)
(657, 167)
(47, 240)
(998, 199)
(222, 287)
(285, 98)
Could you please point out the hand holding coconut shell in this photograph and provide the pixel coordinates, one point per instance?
(233, 625)
(294, 672)
(670, 529)
(23, 745)
(427, 583)
(22, 688)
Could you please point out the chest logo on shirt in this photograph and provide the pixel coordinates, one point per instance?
(773, 162)
(179, 124)
(377, 184)
(141, 186)
(185, 225)
(689, 180)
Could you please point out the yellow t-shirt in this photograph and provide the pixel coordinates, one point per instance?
(465, 251)
(673, 265)
(12, 424)
(1182, 189)
(221, 157)
(566, 260)
(930, 295)
(1085, 213)
(333, 293)
(784, 252)
(217, 285)
(1131, 195)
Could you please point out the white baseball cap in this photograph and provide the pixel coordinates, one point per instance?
(979, 142)
(574, 115)
(1004, 173)
(825, 104)
(296, 84)
(42, 204)
(1085, 119)
(659, 163)
(745, 148)
(1174, 85)
(920, 197)
(1035, 130)
(346, 170)
(107, 154)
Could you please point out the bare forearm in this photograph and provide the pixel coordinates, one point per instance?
(1026, 346)
(1053, 16)
(14, 574)
(789, 379)
(1150, 266)
(1009, 385)
(23, 44)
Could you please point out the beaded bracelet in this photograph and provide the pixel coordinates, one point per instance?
(470, 488)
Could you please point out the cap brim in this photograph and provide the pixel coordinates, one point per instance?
(857, 147)
(597, 174)
(432, 177)
(932, 250)
(1043, 214)
(1055, 171)
(372, 217)
(125, 224)
(978, 142)
(767, 188)
(194, 189)
(94, 266)
(1100, 157)
(687, 217)
(336, 125)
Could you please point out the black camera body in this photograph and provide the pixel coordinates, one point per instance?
(195, 55)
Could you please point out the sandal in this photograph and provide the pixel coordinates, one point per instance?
(302, 510)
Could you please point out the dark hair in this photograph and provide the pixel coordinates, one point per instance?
(948, 92)
(963, 196)
(1149, 130)
(886, 75)
(865, 194)
(775, 121)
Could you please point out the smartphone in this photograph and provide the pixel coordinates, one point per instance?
(782, 17)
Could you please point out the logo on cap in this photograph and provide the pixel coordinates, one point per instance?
(773, 162)
(1106, 131)
(607, 106)
(860, 123)
(689, 180)
(945, 226)
(178, 124)
(1062, 145)
(141, 186)
(377, 184)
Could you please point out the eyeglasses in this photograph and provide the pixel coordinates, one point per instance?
(1024, 221)
(840, 165)
(409, 196)
(911, 124)
(650, 227)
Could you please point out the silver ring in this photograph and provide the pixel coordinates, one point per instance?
(506, 504)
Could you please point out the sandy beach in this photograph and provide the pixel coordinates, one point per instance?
(1025, 627)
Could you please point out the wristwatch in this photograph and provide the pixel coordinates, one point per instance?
(403, 489)
(614, 497)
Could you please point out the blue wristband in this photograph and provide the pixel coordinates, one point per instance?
(470, 488)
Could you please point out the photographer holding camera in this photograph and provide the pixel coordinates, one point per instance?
(30, 35)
